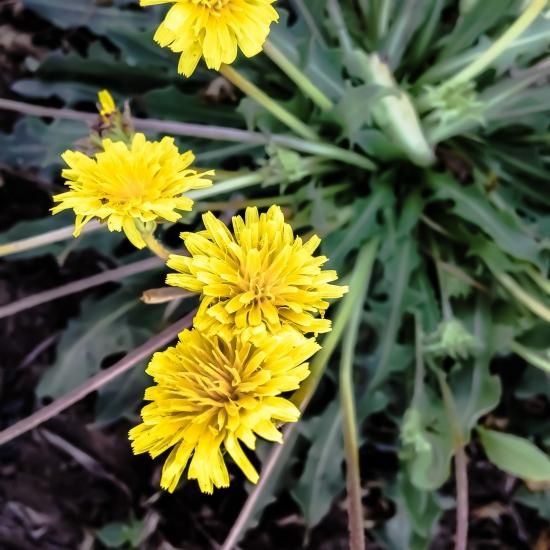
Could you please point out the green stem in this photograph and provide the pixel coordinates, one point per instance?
(498, 47)
(420, 370)
(300, 398)
(155, 246)
(50, 237)
(228, 186)
(538, 308)
(530, 356)
(297, 76)
(327, 151)
(359, 283)
(340, 26)
(265, 101)
(317, 367)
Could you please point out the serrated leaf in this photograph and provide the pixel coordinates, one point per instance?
(321, 64)
(473, 24)
(427, 440)
(87, 341)
(34, 143)
(515, 455)
(501, 225)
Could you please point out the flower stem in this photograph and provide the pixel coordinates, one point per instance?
(498, 47)
(359, 283)
(265, 101)
(50, 237)
(228, 186)
(99, 380)
(301, 399)
(297, 76)
(462, 507)
(461, 471)
(317, 367)
(155, 246)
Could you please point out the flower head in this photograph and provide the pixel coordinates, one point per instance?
(214, 29)
(125, 185)
(257, 280)
(212, 394)
(107, 104)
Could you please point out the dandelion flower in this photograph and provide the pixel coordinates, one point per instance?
(128, 184)
(214, 29)
(211, 395)
(257, 280)
(107, 104)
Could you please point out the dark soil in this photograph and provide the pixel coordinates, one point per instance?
(62, 481)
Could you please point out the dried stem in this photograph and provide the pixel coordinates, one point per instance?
(461, 472)
(164, 294)
(82, 284)
(461, 478)
(97, 381)
(203, 131)
(301, 398)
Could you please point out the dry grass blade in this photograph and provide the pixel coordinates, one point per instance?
(78, 286)
(97, 381)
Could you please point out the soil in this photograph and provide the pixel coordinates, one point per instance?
(63, 481)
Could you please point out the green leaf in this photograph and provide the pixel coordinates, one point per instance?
(501, 225)
(539, 501)
(417, 514)
(113, 535)
(338, 244)
(321, 64)
(34, 143)
(88, 340)
(172, 104)
(122, 397)
(400, 257)
(473, 24)
(427, 443)
(322, 479)
(515, 455)
(69, 92)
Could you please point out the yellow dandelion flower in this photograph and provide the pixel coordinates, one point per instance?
(212, 395)
(257, 280)
(214, 29)
(128, 184)
(107, 104)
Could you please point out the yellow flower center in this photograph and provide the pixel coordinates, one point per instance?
(215, 5)
(259, 285)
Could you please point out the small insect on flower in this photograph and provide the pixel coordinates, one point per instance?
(257, 280)
(212, 394)
(131, 184)
(107, 105)
(214, 29)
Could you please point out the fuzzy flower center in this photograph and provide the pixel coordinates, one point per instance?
(215, 5)
(224, 385)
